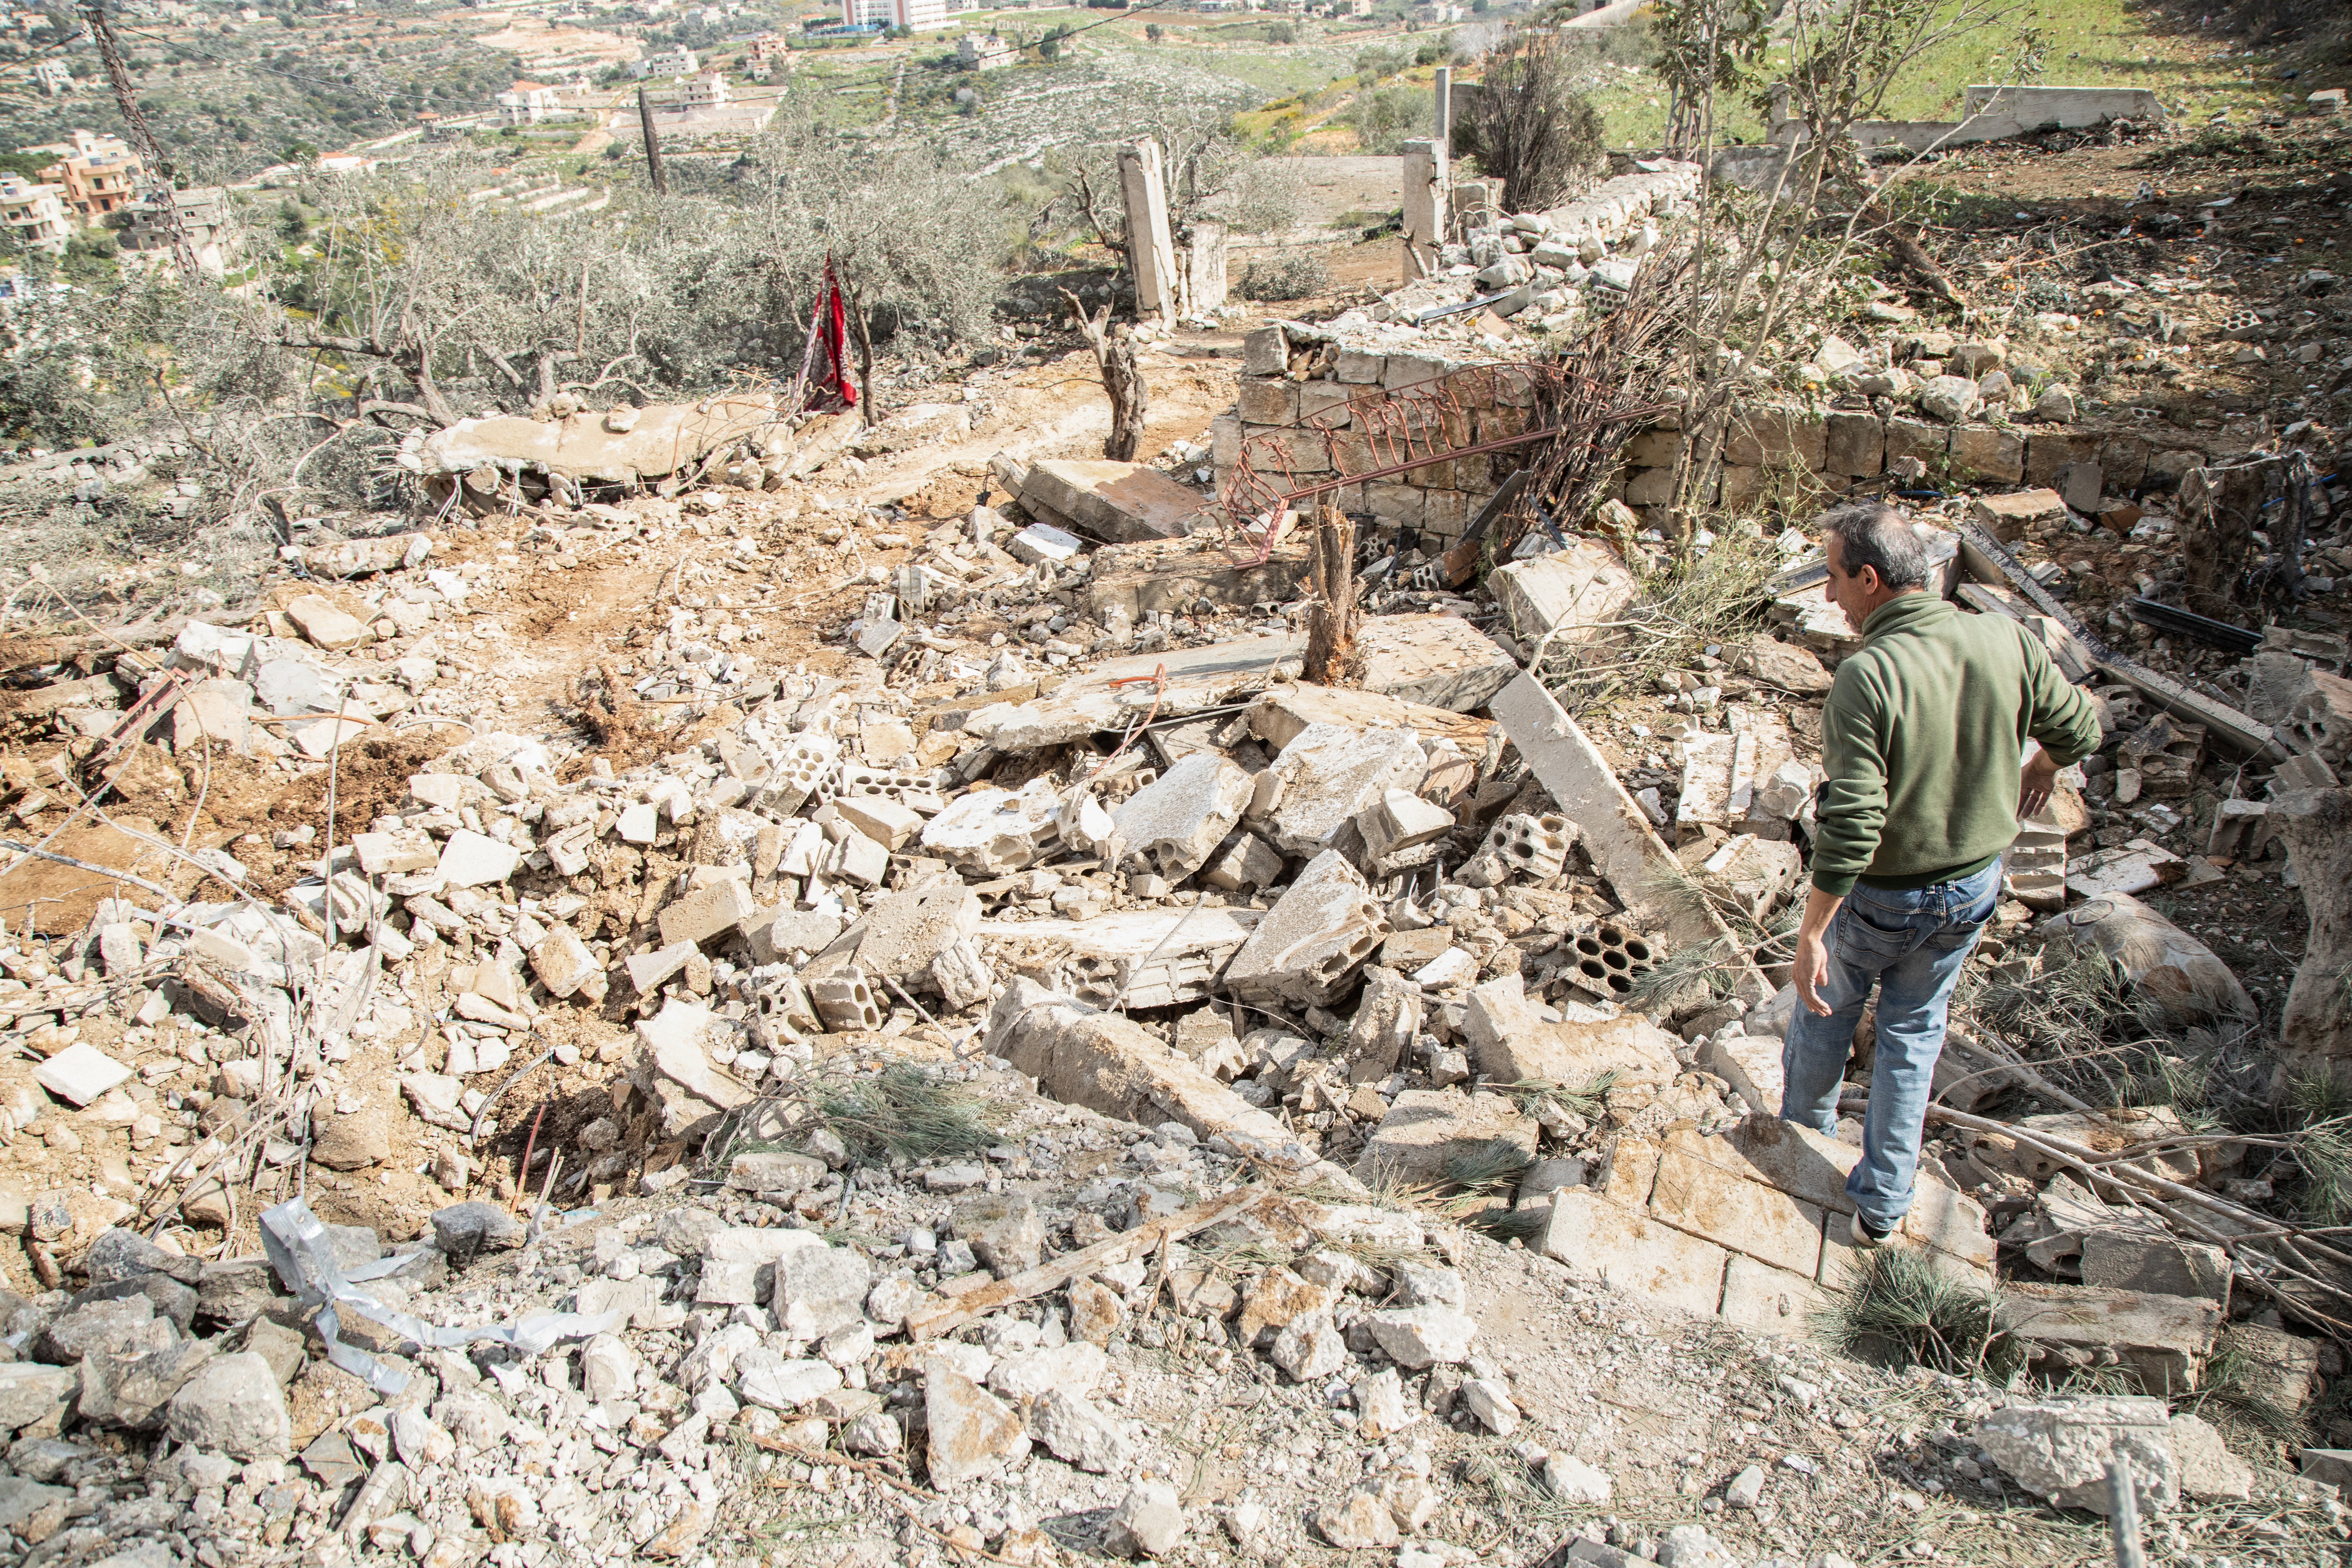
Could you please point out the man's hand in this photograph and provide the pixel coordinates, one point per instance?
(2035, 784)
(1812, 968)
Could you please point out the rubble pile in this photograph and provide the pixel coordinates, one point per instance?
(1042, 1080)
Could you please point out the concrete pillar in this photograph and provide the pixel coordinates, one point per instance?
(1150, 247)
(1205, 268)
(1444, 137)
(1424, 206)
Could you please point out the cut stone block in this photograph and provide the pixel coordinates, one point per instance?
(2007, 516)
(2160, 1264)
(717, 906)
(325, 625)
(1426, 1127)
(2162, 1339)
(1573, 1055)
(1399, 821)
(1120, 503)
(1108, 1064)
(1247, 861)
(1442, 660)
(1768, 1301)
(1569, 595)
(1628, 1251)
(1309, 945)
(1177, 821)
(1176, 575)
(1743, 1216)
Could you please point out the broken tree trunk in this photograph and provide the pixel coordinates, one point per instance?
(2316, 1030)
(1122, 380)
(859, 330)
(1331, 619)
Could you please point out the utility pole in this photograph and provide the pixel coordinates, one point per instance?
(653, 145)
(127, 100)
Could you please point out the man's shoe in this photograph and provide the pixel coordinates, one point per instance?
(1866, 1234)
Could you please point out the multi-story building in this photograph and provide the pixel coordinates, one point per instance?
(914, 16)
(206, 218)
(529, 102)
(54, 78)
(97, 174)
(708, 90)
(664, 63)
(984, 53)
(35, 213)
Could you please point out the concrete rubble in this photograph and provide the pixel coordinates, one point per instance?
(1316, 1041)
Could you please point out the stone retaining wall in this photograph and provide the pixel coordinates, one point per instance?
(1790, 460)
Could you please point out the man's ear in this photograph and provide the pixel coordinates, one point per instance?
(1867, 576)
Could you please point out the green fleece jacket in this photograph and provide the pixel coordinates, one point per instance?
(1922, 739)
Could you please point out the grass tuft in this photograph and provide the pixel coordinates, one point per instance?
(1900, 1305)
(905, 1111)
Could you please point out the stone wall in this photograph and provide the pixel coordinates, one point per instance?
(1366, 416)
(1787, 460)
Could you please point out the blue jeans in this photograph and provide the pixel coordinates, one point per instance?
(1912, 943)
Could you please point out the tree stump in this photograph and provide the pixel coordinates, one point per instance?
(1122, 380)
(1331, 619)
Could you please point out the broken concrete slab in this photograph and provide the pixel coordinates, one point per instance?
(1309, 945)
(1177, 821)
(1284, 709)
(1565, 596)
(1119, 693)
(1442, 660)
(674, 1070)
(1328, 774)
(1109, 1064)
(1427, 1128)
(1175, 575)
(1120, 502)
(1150, 958)
(2060, 1448)
(906, 932)
(987, 832)
(1623, 846)
(663, 438)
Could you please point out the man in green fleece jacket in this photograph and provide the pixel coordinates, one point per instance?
(1923, 739)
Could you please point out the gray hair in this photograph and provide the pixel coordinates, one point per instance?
(1871, 534)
